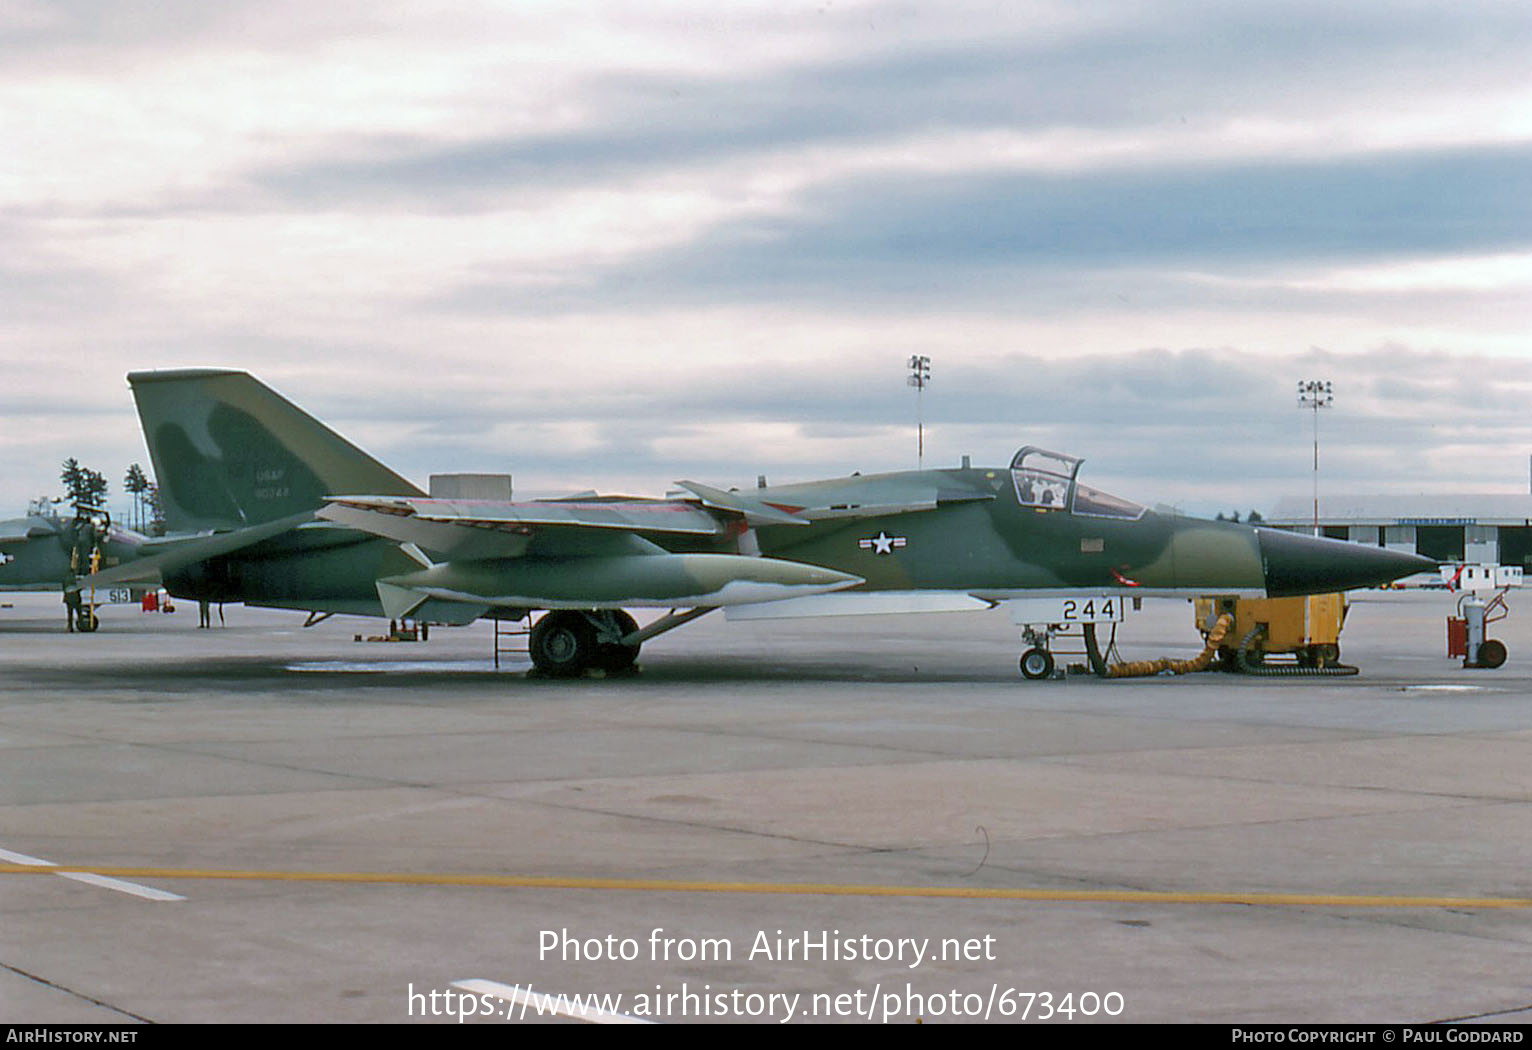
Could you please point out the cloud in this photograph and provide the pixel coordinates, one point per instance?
(1350, 71)
(1464, 202)
(1200, 427)
(610, 243)
(1029, 243)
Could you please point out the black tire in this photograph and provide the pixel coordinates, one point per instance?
(612, 657)
(1492, 653)
(563, 644)
(87, 622)
(1036, 664)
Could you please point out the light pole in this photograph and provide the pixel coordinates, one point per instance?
(1315, 394)
(920, 375)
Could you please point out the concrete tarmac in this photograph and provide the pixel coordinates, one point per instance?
(810, 814)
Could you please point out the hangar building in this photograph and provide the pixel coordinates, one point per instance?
(1495, 528)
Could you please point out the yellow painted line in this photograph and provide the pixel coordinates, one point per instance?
(556, 882)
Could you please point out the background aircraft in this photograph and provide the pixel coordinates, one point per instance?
(46, 552)
(298, 517)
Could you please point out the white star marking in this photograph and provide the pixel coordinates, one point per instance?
(882, 543)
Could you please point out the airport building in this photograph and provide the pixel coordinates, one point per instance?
(1494, 529)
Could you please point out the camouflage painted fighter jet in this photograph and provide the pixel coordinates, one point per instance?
(46, 552)
(297, 517)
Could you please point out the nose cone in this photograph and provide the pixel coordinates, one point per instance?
(1296, 564)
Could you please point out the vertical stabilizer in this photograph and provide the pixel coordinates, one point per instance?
(230, 452)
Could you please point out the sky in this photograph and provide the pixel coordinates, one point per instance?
(612, 245)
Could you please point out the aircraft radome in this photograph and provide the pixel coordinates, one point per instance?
(297, 517)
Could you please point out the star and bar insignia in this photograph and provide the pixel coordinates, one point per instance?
(882, 543)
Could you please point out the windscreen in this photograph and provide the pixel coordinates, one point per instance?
(1046, 480)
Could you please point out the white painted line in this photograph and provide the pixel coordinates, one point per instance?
(106, 882)
(21, 858)
(541, 1004)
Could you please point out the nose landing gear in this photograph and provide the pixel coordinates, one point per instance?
(1044, 622)
(1037, 662)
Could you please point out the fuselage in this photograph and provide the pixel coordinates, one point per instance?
(992, 532)
(43, 553)
(989, 532)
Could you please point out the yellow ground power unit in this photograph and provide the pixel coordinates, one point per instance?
(1306, 628)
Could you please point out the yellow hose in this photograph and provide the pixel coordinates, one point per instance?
(1144, 668)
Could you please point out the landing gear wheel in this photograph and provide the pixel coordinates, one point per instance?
(563, 644)
(613, 657)
(87, 622)
(1036, 663)
(1492, 653)
(1326, 655)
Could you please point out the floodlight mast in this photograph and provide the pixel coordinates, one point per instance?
(920, 374)
(1315, 394)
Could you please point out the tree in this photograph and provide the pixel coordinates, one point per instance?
(71, 475)
(83, 485)
(137, 483)
(156, 512)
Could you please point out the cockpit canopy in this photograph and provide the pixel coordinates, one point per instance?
(1046, 480)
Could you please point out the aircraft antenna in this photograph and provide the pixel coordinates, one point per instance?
(920, 375)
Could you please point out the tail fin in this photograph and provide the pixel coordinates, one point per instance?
(230, 452)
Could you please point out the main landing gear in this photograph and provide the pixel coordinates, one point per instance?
(565, 643)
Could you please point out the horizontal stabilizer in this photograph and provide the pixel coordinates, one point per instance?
(173, 553)
(479, 529)
(395, 520)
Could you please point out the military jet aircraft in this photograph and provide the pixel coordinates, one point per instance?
(295, 516)
(47, 552)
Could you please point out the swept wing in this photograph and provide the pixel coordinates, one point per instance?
(586, 553)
